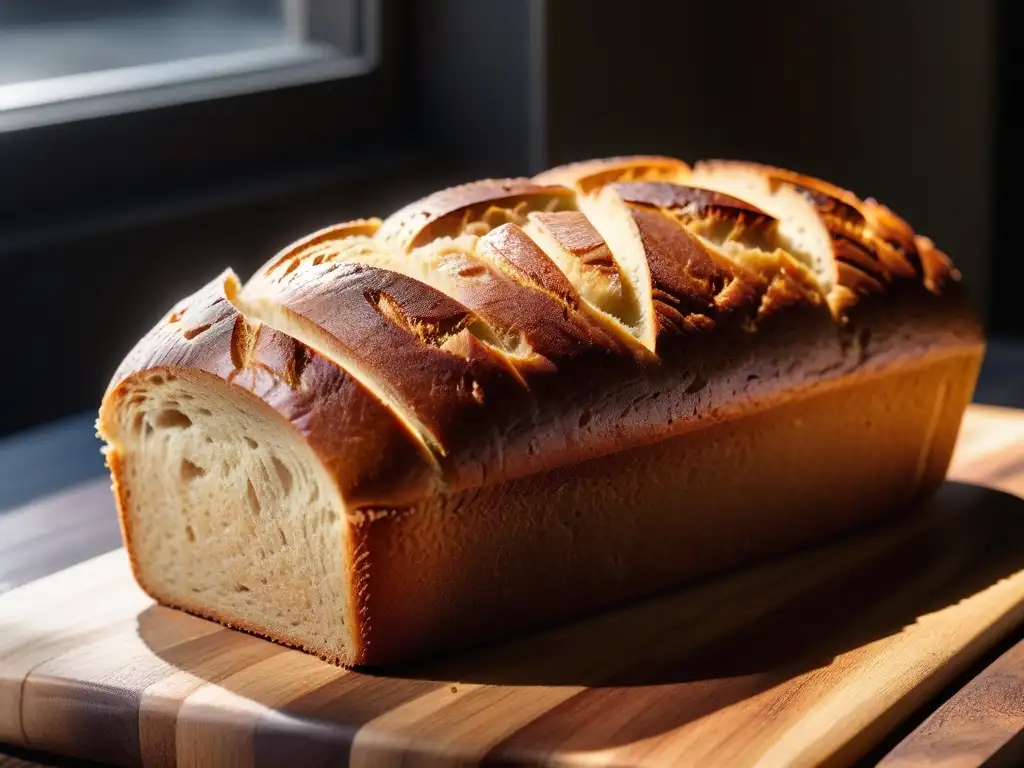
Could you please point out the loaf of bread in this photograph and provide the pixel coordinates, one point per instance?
(519, 401)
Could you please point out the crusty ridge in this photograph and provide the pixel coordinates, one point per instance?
(493, 299)
(464, 315)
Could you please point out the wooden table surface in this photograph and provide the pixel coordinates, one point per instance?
(978, 718)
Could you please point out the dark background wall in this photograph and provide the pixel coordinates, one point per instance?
(891, 99)
(104, 223)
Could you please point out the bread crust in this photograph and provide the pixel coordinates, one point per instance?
(589, 175)
(446, 213)
(548, 548)
(872, 244)
(314, 397)
(419, 403)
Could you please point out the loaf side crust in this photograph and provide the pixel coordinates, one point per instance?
(473, 567)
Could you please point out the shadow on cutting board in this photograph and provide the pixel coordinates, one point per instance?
(705, 648)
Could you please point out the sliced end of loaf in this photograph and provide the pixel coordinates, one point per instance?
(228, 513)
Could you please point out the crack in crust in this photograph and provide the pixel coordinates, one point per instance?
(884, 237)
(473, 208)
(684, 200)
(590, 175)
(243, 341)
(434, 331)
(340, 241)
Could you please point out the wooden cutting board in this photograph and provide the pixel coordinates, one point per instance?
(804, 660)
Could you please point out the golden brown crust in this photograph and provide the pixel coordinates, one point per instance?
(444, 362)
(865, 234)
(691, 289)
(711, 215)
(680, 198)
(504, 358)
(204, 336)
(772, 280)
(588, 175)
(512, 250)
(538, 303)
(488, 203)
(549, 548)
(423, 353)
(575, 233)
(881, 221)
(323, 242)
(584, 247)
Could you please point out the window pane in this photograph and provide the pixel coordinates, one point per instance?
(41, 39)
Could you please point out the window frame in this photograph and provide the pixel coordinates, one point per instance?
(326, 40)
(109, 171)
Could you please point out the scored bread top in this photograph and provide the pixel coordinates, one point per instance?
(510, 326)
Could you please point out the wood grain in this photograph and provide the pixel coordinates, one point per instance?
(805, 660)
(15, 757)
(57, 531)
(9, 761)
(982, 724)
